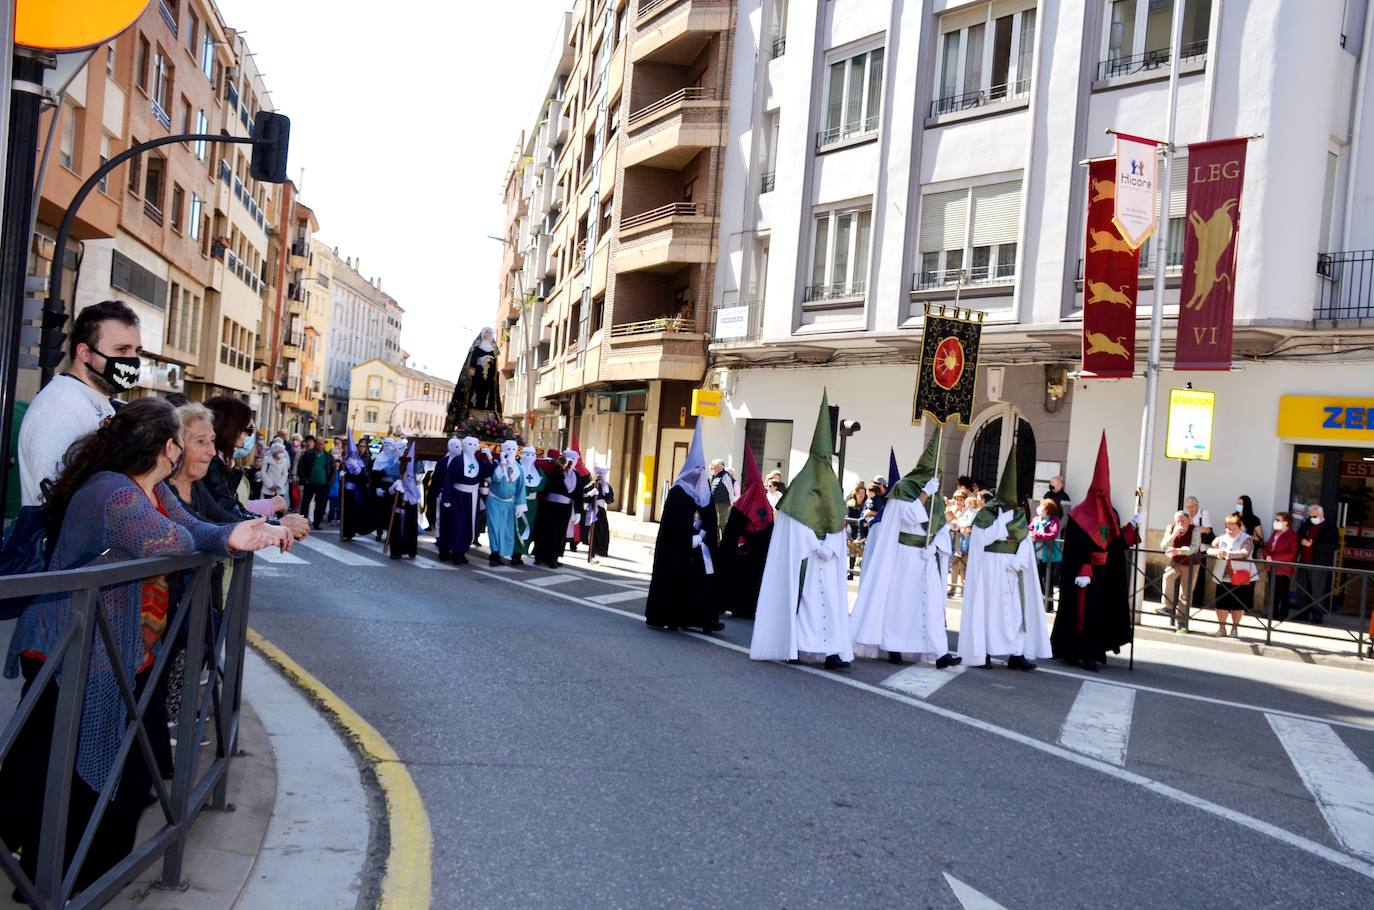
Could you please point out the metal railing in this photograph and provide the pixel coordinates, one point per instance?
(981, 98)
(153, 213)
(160, 113)
(835, 291)
(970, 277)
(690, 93)
(751, 329)
(648, 6)
(651, 326)
(224, 173)
(671, 210)
(200, 776)
(1115, 67)
(1347, 285)
(231, 95)
(1296, 605)
(1172, 263)
(768, 182)
(849, 130)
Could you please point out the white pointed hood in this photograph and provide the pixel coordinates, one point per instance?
(693, 478)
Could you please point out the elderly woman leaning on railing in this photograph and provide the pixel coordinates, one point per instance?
(108, 505)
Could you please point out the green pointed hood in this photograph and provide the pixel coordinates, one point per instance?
(908, 489)
(1007, 499)
(814, 497)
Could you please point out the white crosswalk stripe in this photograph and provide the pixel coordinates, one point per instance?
(616, 597)
(921, 680)
(273, 555)
(1099, 723)
(1341, 784)
(336, 552)
(558, 578)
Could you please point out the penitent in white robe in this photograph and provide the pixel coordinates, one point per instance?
(1004, 613)
(901, 603)
(802, 614)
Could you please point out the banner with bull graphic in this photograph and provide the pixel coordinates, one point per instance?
(1111, 270)
(1206, 304)
(947, 371)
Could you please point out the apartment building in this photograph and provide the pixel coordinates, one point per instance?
(295, 363)
(387, 398)
(885, 155)
(364, 324)
(614, 206)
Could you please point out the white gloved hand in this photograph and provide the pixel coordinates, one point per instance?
(931, 486)
(380, 492)
(1083, 581)
(1137, 518)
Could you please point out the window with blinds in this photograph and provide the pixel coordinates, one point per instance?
(1178, 215)
(1328, 203)
(969, 236)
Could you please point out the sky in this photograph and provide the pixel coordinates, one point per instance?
(404, 117)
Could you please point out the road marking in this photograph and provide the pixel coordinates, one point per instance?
(921, 680)
(969, 898)
(274, 555)
(336, 552)
(1155, 690)
(616, 597)
(1340, 783)
(406, 884)
(548, 580)
(1099, 723)
(1258, 826)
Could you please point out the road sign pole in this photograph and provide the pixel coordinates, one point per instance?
(1182, 482)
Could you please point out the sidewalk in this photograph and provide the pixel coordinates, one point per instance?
(299, 831)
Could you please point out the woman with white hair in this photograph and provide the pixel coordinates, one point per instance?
(276, 470)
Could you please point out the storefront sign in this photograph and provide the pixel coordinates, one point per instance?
(1111, 267)
(1357, 468)
(1137, 208)
(705, 403)
(1190, 425)
(1321, 417)
(732, 322)
(1206, 311)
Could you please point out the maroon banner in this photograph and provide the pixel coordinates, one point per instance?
(1110, 276)
(1216, 171)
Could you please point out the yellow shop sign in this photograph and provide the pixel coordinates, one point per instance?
(1324, 417)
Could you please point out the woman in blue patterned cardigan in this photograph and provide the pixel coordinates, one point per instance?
(108, 505)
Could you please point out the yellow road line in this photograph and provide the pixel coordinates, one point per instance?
(406, 884)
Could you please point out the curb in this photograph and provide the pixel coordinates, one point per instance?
(1257, 647)
(406, 881)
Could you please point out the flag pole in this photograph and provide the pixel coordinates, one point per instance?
(1147, 428)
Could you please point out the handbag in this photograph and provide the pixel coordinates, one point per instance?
(1240, 576)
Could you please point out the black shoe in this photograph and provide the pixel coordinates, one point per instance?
(516, 560)
(894, 657)
(833, 662)
(459, 559)
(948, 660)
(986, 664)
(343, 539)
(713, 627)
(496, 560)
(1017, 662)
(1090, 666)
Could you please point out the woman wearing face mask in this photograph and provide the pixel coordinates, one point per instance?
(1234, 574)
(1282, 547)
(233, 421)
(108, 505)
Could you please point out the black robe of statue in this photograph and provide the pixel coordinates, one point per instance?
(551, 521)
(1094, 620)
(740, 565)
(479, 385)
(681, 594)
(355, 514)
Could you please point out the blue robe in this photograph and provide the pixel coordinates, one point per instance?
(458, 501)
(502, 498)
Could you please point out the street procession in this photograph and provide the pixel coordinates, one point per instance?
(742, 453)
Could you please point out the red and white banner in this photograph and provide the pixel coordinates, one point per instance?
(1137, 198)
(1206, 309)
(1111, 267)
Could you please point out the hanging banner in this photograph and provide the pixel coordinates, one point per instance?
(947, 365)
(1216, 172)
(1111, 269)
(1137, 198)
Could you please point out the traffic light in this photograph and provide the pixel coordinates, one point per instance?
(53, 345)
(271, 136)
(426, 392)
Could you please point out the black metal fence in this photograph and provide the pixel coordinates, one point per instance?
(214, 638)
(1347, 285)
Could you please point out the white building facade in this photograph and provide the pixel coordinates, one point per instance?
(896, 154)
(364, 323)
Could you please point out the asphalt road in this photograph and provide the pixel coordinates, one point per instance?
(568, 756)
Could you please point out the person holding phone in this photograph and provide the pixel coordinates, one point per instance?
(1233, 573)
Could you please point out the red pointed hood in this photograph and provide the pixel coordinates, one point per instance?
(581, 467)
(753, 501)
(1095, 514)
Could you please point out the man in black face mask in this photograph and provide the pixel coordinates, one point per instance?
(105, 343)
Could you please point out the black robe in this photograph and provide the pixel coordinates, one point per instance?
(378, 498)
(551, 521)
(599, 531)
(681, 594)
(1094, 620)
(740, 565)
(403, 526)
(355, 513)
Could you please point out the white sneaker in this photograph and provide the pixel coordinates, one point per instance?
(1235, 633)
(1219, 633)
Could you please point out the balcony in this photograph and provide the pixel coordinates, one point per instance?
(224, 173)
(675, 31)
(231, 95)
(997, 95)
(854, 129)
(665, 348)
(1347, 285)
(153, 213)
(1151, 61)
(827, 293)
(768, 182)
(665, 239)
(160, 114)
(737, 322)
(779, 46)
(670, 132)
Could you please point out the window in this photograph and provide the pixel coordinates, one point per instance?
(104, 159)
(1328, 203)
(853, 98)
(202, 147)
(370, 415)
(839, 254)
(779, 33)
(969, 236)
(178, 207)
(197, 214)
(163, 74)
(192, 32)
(208, 63)
(135, 178)
(1178, 210)
(66, 149)
(152, 184)
(184, 116)
(110, 59)
(1138, 35)
(374, 386)
(983, 58)
(173, 312)
(142, 65)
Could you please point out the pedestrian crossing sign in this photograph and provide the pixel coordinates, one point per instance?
(1189, 436)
